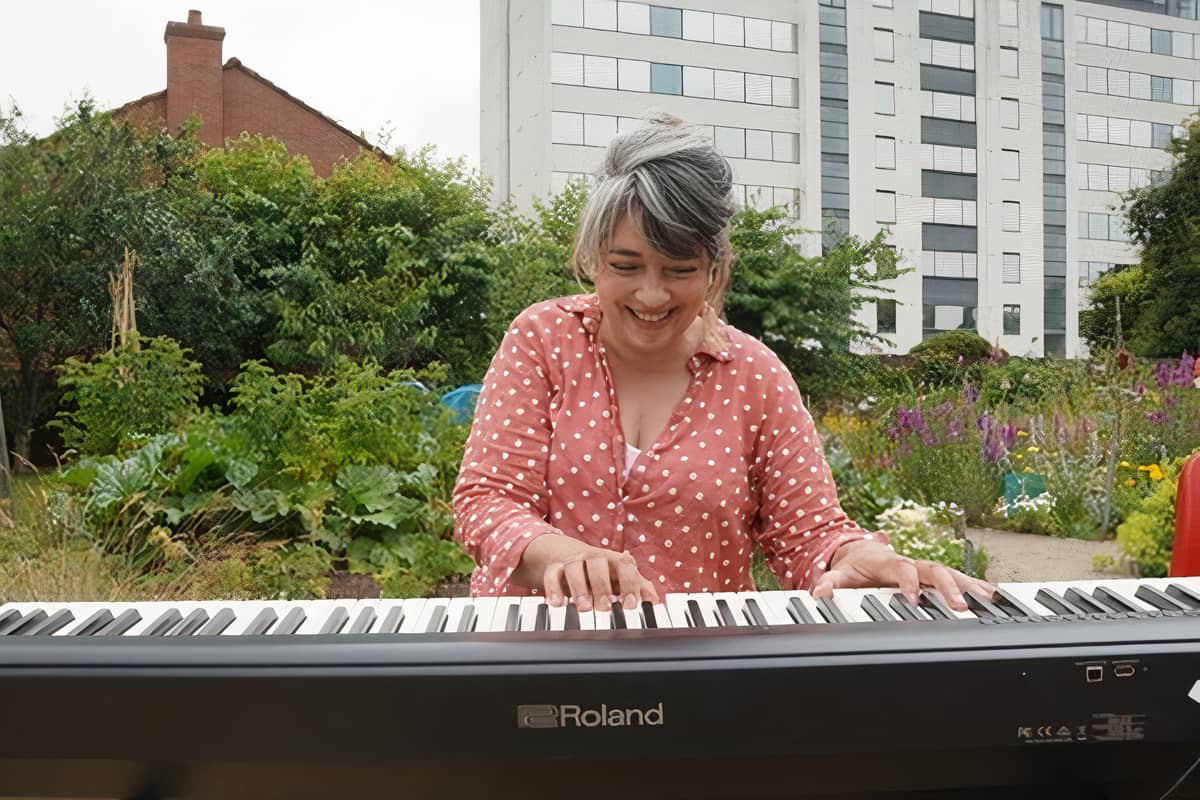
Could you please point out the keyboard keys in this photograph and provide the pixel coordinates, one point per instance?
(55, 622)
(1013, 606)
(875, 609)
(290, 623)
(1184, 595)
(904, 609)
(163, 624)
(831, 611)
(982, 607)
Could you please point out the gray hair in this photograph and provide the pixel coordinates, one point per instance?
(675, 186)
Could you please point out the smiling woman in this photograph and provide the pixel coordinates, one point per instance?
(630, 442)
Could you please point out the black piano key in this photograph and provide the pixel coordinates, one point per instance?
(219, 622)
(1115, 601)
(466, 623)
(541, 622)
(191, 623)
(57, 621)
(292, 621)
(725, 616)
(754, 614)
(1060, 605)
(337, 620)
(261, 623)
(934, 605)
(799, 612)
(571, 618)
(165, 622)
(364, 621)
(875, 609)
(1158, 598)
(1184, 595)
(618, 618)
(124, 621)
(8, 619)
(1014, 607)
(695, 617)
(93, 623)
(31, 620)
(830, 611)
(1085, 603)
(512, 622)
(648, 619)
(903, 609)
(982, 607)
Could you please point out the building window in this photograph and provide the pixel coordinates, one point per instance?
(1012, 267)
(885, 152)
(730, 142)
(1010, 113)
(633, 18)
(885, 48)
(566, 68)
(1052, 22)
(885, 98)
(883, 3)
(566, 128)
(666, 22)
(885, 316)
(666, 79)
(600, 14)
(885, 206)
(758, 33)
(600, 71)
(633, 76)
(948, 105)
(698, 25)
(1008, 13)
(598, 129)
(729, 29)
(1010, 165)
(948, 158)
(1012, 320)
(1009, 62)
(1011, 216)
(729, 85)
(567, 12)
(697, 82)
(941, 53)
(758, 145)
(949, 264)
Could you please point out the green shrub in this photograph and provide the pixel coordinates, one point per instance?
(127, 393)
(950, 358)
(1148, 533)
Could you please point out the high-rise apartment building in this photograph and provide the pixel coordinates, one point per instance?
(992, 137)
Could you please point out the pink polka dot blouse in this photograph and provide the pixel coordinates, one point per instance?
(739, 462)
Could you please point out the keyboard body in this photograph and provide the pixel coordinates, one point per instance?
(1044, 698)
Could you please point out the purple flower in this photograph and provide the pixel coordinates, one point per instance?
(1162, 374)
(1183, 376)
(1008, 435)
(1140, 388)
(970, 393)
(1159, 417)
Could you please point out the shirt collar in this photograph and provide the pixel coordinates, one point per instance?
(715, 344)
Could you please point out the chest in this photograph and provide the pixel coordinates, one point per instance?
(646, 401)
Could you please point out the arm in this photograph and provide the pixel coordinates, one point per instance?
(800, 523)
(500, 499)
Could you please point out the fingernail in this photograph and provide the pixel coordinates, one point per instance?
(631, 601)
(584, 602)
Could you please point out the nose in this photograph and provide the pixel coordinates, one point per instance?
(652, 293)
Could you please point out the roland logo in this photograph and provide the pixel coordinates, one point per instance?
(568, 716)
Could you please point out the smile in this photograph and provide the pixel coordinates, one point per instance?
(650, 317)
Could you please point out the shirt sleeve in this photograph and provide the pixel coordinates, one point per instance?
(500, 500)
(800, 522)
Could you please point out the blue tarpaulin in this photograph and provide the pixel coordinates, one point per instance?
(462, 401)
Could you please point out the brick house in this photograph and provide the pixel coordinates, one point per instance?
(231, 98)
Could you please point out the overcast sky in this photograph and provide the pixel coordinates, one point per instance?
(406, 65)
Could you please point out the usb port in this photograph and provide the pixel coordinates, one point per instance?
(1124, 669)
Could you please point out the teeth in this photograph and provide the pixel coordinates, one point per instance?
(650, 317)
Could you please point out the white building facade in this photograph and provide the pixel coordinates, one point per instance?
(990, 137)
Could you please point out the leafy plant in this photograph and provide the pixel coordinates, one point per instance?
(1148, 533)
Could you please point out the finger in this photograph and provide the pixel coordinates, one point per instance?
(827, 583)
(907, 579)
(577, 581)
(649, 592)
(552, 583)
(600, 580)
(629, 580)
(944, 580)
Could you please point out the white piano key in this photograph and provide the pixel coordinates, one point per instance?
(500, 612)
(434, 608)
(676, 611)
(850, 602)
(633, 617)
(529, 609)
(782, 600)
(454, 613)
(659, 616)
(318, 613)
(587, 620)
(414, 607)
(558, 616)
(885, 596)
(772, 606)
(602, 620)
(485, 609)
(244, 613)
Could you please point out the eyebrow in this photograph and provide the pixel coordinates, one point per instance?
(619, 252)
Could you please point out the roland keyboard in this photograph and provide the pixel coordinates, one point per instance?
(1069, 689)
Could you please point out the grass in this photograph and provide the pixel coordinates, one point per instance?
(44, 558)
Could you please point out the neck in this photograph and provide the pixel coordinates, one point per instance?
(667, 360)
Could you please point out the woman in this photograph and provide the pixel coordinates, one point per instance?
(629, 443)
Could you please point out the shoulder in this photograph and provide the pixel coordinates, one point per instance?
(746, 352)
(552, 317)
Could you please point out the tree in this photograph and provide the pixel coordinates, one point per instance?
(803, 308)
(69, 205)
(1159, 311)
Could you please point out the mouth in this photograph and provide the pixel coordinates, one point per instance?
(650, 318)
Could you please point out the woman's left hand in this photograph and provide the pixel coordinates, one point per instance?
(865, 564)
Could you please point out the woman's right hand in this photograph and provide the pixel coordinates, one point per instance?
(591, 576)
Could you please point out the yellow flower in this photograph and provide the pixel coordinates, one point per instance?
(1154, 471)
(1027, 469)
(1032, 448)
(1022, 433)
(1130, 482)
(1126, 464)
(1018, 455)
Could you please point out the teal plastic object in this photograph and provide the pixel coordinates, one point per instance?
(462, 401)
(1016, 484)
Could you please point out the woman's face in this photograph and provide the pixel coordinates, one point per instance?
(649, 300)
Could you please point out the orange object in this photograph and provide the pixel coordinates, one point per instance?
(1185, 556)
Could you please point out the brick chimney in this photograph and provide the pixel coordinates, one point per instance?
(194, 77)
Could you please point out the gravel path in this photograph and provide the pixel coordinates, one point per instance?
(1032, 557)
